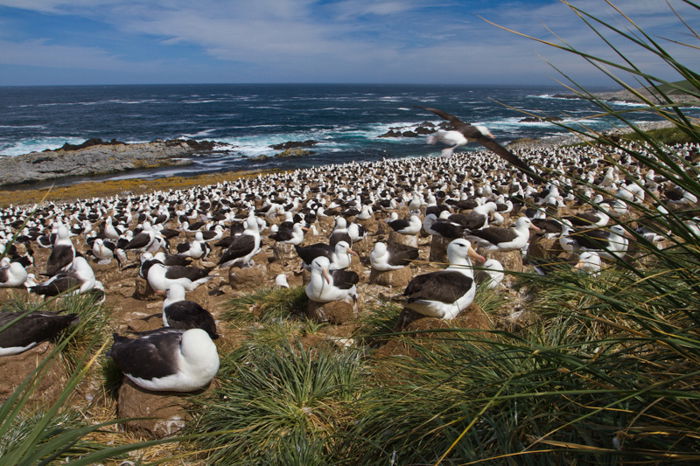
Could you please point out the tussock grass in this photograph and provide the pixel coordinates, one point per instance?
(266, 305)
(378, 323)
(279, 405)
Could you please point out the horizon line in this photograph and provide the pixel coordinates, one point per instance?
(540, 85)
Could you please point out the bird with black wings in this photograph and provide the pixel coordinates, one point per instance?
(464, 133)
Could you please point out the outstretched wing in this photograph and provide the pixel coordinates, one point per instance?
(458, 124)
(471, 132)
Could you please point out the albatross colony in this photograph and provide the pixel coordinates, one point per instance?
(238, 223)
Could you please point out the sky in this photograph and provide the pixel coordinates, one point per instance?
(63, 42)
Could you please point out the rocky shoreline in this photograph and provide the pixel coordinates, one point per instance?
(97, 157)
(625, 96)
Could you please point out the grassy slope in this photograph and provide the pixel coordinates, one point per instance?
(114, 187)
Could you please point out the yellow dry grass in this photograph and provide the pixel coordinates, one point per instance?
(104, 188)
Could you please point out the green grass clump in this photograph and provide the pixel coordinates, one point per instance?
(279, 405)
(378, 323)
(266, 305)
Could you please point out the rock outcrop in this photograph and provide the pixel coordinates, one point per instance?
(97, 157)
(294, 144)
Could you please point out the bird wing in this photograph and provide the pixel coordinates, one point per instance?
(32, 328)
(345, 279)
(180, 271)
(59, 284)
(149, 356)
(60, 257)
(241, 246)
(456, 122)
(507, 155)
(309, 253)
(401, 254)
(495, 235)
(443, 286)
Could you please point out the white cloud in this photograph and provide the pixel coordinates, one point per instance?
(40, 53)
(386, 40)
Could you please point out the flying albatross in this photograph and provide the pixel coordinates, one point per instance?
(464, 133)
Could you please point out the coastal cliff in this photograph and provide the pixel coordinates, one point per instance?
(97, 157)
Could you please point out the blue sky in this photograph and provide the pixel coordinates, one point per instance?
(358, 41)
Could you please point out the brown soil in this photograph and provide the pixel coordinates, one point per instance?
(88, 189)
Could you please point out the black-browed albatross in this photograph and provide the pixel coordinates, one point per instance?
(484, 137)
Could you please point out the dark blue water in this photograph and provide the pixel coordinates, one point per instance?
(247, 119)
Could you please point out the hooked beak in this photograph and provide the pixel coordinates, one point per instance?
(535, 228)
(475, 255)
(161, 292)
(326, 275)
(353, 252)
(579, 265)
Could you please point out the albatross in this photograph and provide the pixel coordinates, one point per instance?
(465, 133)
(167, 359)
(445, 293)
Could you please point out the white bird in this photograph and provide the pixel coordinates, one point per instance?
(80, 278)
(326, 286)
(446, 293)
(104, 251)
(589, 262)
(393, 256)
(161, 277)
(167, 359)
(12, 274)
(492, 273)
(504, 239)
(281, 281)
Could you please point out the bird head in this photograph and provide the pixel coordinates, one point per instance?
(485, 131)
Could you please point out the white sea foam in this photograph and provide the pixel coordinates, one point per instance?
(39, 144)
(620, 103)
(550, 96)
(199, 134)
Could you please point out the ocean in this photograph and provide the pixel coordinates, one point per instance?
(245, 120)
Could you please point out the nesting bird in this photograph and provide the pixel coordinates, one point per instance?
(446, 293)
(167, 359)
(391, 256)
(326, 285)
(24, 332)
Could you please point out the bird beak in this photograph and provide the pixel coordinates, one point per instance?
(475, 255)
(326, 275)
(160, 292)
(353, 252)
(579, 265)
(535, 228)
